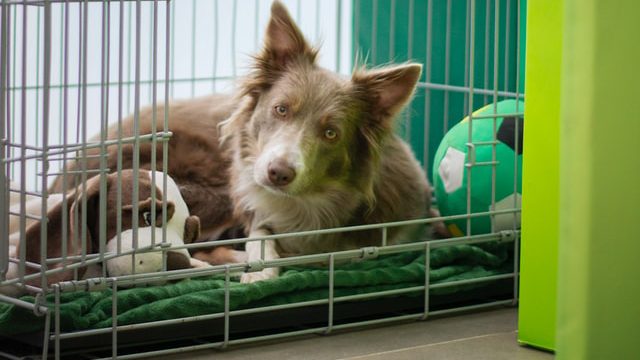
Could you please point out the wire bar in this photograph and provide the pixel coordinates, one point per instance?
(114, 321)
(4, 187)
(460, 240)
(56, 321)
(227, 312)
(23, 304)
(468, 90)
(496, 62)
(427, 280)
(317, 330)
(331, 299)
(298, 260)
(161, 136)
(267, 309)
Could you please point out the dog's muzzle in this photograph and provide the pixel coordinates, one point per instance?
(280, 173)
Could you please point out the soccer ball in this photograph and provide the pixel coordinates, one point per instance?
(456, 156)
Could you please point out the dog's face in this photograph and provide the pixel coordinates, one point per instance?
(304, 130)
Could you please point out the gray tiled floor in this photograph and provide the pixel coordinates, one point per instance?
(483, 335)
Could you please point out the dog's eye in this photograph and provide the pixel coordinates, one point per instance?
(147, 217)
(330, 134)
(281, 110)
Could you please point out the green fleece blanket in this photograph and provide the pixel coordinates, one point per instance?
(205, 295)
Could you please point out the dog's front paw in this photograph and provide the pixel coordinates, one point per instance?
(196, 264)
(266, 274)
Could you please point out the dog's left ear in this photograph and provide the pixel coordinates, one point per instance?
(388, 89)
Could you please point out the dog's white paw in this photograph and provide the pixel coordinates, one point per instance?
(238, 256)
(195, 263)
(266, 274)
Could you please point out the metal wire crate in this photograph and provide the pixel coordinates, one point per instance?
(69, 69)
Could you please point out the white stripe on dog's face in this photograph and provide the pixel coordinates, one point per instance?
(284, 148)
(308, 125)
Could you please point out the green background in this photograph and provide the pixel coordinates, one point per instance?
(380, 43)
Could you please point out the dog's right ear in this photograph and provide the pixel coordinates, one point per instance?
(284, 44)
(284, 41)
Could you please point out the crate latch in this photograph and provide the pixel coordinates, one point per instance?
(370, 252)
(507, 235)
(96, 284)
(254, 266)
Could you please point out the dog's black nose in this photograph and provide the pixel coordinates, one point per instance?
(280, 173)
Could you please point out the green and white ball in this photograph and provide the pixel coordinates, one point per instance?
(452, 163)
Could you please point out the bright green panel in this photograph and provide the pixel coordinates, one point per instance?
(540, 188)
(598, 286)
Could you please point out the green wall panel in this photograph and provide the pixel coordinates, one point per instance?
(598, 286)
(386, 31)
(540, 189)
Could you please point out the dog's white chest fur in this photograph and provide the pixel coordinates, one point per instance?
(284, 214)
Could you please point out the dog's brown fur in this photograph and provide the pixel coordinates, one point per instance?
(196, 161)
(361, 174)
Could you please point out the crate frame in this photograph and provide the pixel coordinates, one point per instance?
(52, 335)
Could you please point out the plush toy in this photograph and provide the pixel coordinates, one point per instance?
(451, 166)
(180, 229)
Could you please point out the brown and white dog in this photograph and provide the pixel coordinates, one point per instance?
(312, 150)
(180, 228)
(296, 148)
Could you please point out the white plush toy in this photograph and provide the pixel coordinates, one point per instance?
(180, 229)
(176, 232)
